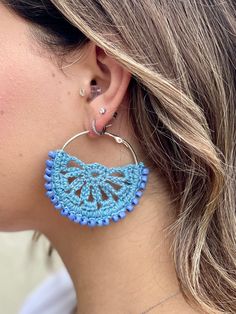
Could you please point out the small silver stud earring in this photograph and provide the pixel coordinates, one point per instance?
(82, 92)
(102, 110)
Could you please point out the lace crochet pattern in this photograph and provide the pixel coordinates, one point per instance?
(93, 194)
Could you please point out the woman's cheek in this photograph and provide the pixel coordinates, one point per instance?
(28, 109)
(29, 104)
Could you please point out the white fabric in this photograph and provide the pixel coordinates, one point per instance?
(55, 295)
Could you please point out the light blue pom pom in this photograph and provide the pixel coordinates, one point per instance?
(71, 216)
(91, 222)
(48, 172)
(48, 186)
(50, 193)
(99, 222)
(139, 193)
(122, 215)
(58, 206)
(49, 163)
(54, 200)
(105, 221)
(115, 218)
(145, 171)
(83, 221)
(135, 201)
(144, 178)
(47, 178)
(130, 208)
(52, 154)
(77, 219)
(142, 185)
(64, 212)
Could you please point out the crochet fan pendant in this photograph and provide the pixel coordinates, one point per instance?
(93, 194)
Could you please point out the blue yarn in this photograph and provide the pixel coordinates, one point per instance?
(90, 198)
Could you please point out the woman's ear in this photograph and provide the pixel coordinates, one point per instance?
(113, 81)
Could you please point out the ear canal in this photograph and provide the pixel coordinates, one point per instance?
(95, 91)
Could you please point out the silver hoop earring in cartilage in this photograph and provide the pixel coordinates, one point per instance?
(95, 129)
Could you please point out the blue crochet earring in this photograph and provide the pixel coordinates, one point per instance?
(93, 194)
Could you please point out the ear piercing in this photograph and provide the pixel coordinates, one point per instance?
(95, 91)
(96, 131)
(82, 92)
(102, 110)
(104, 129)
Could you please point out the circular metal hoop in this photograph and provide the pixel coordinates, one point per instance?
(118, 139)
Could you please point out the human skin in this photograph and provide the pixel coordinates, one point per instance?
(125, 267)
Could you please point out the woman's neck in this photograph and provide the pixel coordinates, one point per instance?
(125, 267)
